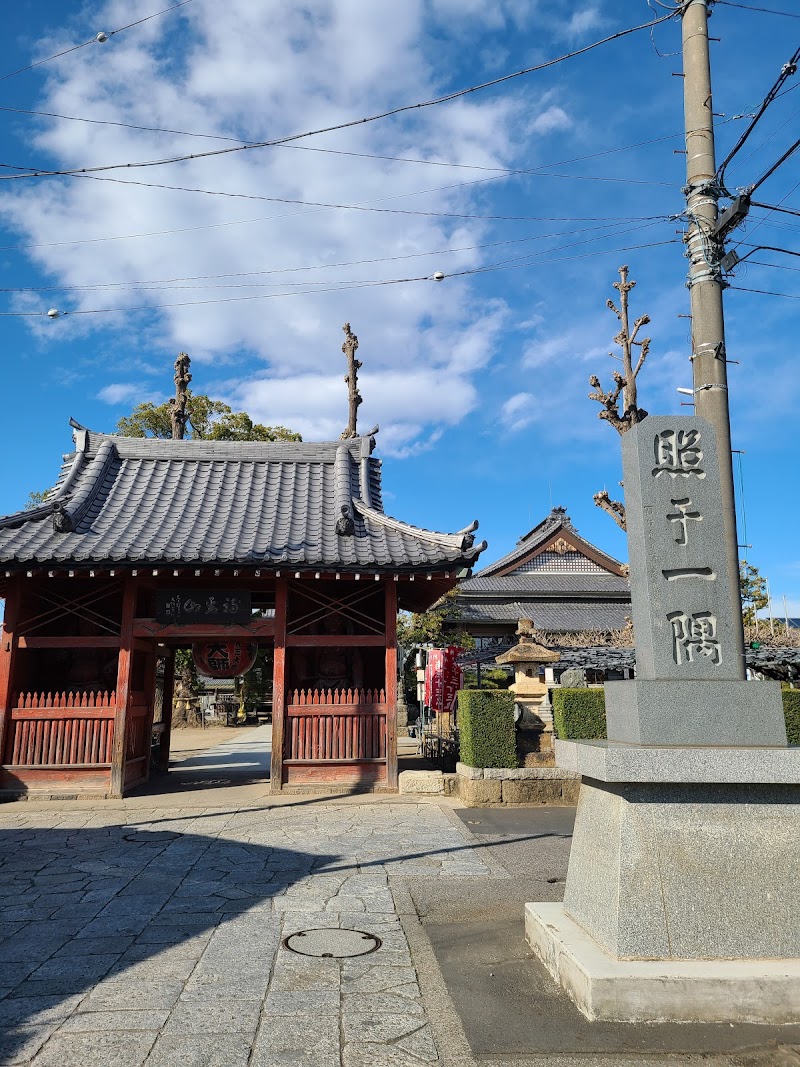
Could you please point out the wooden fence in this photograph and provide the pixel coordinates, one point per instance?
(333, 725)
(61, 730)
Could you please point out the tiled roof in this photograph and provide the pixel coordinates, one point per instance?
(536, 583)
(560, 615)
(135, 500)
(557, 522)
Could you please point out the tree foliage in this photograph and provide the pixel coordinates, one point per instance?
(437, 626)
(754, 591)
(209, 420)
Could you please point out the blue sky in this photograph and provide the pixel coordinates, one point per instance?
(479, 381)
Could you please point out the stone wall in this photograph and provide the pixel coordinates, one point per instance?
(488, 787)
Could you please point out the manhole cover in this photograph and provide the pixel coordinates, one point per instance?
(332, 944)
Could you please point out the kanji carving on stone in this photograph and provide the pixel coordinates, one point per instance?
(678, 454)
(693, 636)
(681, 517)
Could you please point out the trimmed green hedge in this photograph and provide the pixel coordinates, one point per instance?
(579, 713)
(791, 709)
(486, 728)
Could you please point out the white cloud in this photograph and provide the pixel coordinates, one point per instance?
(120, 393)
(422, 343)
(518, 412)
(581, 21)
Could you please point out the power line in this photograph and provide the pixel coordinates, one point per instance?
(787, 70)
(323, 204)
(269, 218)
(765, 292)
(100, 38)
(164, 282)
(332, 289)
(771, 170)
(775, 207)
(351, 123)
(335, 151)
(763, 10)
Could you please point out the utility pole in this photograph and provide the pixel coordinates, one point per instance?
(704, 249)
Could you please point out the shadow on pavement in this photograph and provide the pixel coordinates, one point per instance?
(124, 904)
(510, 1006)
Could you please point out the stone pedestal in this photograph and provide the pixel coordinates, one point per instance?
(680, 900)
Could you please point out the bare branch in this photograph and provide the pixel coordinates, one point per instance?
(624, 381)
(614, 508)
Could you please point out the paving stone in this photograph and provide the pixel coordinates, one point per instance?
(152, 994)
(108, 1021)
(307, 1040)
(318, 1003)
(210, 1050)
(20, 1044)
(119, 1049)
(210, 1016)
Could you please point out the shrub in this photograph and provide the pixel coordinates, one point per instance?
(486, 728)
(791, 711)
(579, 714)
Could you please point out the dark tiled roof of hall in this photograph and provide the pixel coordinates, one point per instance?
(129, 500)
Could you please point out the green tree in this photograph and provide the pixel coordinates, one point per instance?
(35, 499)
(209, 420)
(754, 591)
(437, 626)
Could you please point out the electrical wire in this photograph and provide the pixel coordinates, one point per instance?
(771, 170)
(339, 151)
(763, 10)
(269, 218)
(93, 40)
(765, 292)
(166, 282)
(775, 207)
(352, 122)
(787, 70)
(323, 204)
(333, 289)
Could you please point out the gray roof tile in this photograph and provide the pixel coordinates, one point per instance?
(147, 500)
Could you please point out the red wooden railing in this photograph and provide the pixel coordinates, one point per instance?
(61, 729)
(347, 725)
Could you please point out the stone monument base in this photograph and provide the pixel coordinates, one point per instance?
(605, 988)
(680, 899)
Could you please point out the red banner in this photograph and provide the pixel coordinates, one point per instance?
(443, 679)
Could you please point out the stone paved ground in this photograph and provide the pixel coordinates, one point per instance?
(133, 936)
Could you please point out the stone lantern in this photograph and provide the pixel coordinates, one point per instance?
(530, 693)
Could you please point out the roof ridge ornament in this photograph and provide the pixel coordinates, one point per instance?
(350, 347)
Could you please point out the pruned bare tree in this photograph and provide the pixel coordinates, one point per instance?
(349, 348)
(634, 353)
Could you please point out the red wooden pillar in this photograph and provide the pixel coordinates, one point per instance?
(9, 640)
(166, 711)
(279, 686)
(151, 663)
(391, 683)
(123, 687)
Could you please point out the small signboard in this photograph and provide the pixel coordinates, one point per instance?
(184, 607)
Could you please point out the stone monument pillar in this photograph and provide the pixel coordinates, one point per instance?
(680, 901)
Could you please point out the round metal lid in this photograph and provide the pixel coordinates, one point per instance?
(332, 944)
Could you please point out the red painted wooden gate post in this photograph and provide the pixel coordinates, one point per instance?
(166, 711)
(391, 683)
(9, 640)
(279, 686)
(123, 687)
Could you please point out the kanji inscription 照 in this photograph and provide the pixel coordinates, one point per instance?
(678, 453)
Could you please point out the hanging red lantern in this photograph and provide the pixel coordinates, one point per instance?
(224, 659)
